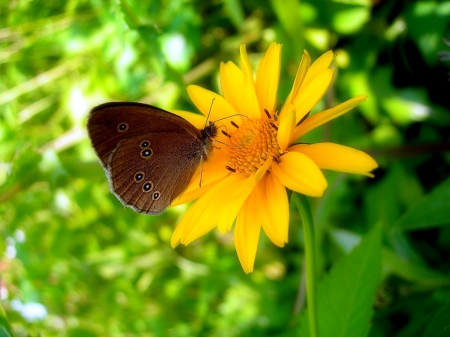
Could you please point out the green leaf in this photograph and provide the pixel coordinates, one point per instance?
(427, 23)
(412, 271)
(430, 211)
(350, 20)
(439, 325)
(346, 294)
(5, 327)
(235, 11)
(287, 12)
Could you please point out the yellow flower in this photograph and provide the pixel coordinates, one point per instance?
(257, 154)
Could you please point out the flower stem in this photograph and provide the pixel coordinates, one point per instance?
(303, 206)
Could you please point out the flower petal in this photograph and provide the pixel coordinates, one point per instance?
(273, 208)
(286, 127)
(252, 104)
(338, 158)
(207, 174)
(319, 65)
(311, 93)
(267, 78)
(278, 206)
(246, 233)
(263, 213)
(263, 169)
(231, 83)
(197, 120)
(238, 87)
(201, 217)
(299, 78)
(300, 174)
(203, 98)
(325, 116)
(237, 195)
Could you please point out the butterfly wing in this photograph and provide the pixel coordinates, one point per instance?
(149, 154)
(149, 183)
(111, 123)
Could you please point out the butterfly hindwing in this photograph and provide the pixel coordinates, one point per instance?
(148, 178)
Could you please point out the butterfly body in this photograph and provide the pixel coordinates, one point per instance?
(149, 154)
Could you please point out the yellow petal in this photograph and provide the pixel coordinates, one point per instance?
(267, 78)
(286, 127)
(208, 174)
(300, 174)
(239, 90)
(202, 216)
(203, 98)
(246, 233)
(278, 207)
(237, 194)
(273, 208)
(251, 104)
(231, 83)
(263, 169)
(199, 121)
(263, 214)
(319, 66)
(310, 94)
(320, 118)
(299, 78)
(338, 158)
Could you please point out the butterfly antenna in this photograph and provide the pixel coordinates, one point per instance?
(209, 113)
(201, 174)
(220, 119)
(240, 115)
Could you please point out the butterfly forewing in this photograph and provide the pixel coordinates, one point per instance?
(111, 123)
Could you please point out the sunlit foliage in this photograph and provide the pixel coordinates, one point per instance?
(75, 262)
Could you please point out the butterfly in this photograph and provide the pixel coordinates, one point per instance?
(149, 154)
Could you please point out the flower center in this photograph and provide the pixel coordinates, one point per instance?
(251, 144)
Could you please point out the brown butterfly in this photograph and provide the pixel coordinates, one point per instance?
(149, 154)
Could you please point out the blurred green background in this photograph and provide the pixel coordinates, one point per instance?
(75, 262)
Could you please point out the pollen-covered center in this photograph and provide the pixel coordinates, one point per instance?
(251, 144)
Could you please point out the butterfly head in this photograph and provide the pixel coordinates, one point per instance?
(209, 132)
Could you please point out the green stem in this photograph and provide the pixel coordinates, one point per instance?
(303, 206)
